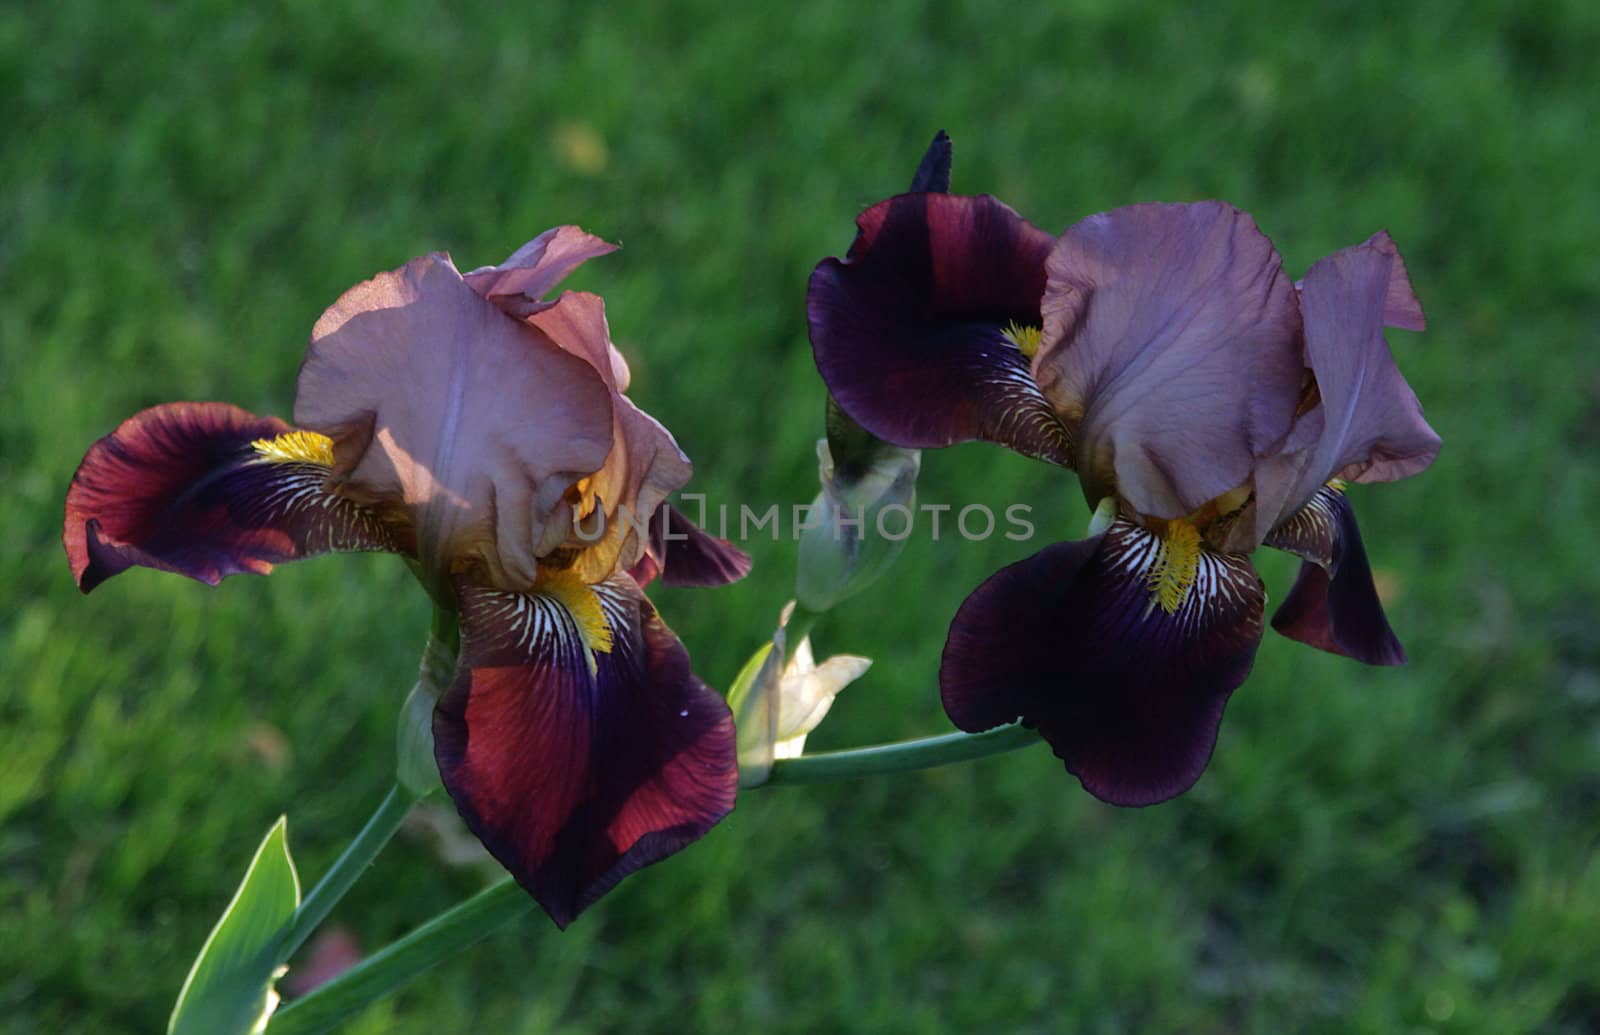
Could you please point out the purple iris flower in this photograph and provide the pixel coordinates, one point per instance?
(482, 433)
(1209, 406)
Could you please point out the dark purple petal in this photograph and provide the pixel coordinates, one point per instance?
(907, 330)
(1129, 695)
(1171, 346)
(1368, 424)
(933, 172)
(208, 490)
(1333, 605)
(575, 776)
(684, 555)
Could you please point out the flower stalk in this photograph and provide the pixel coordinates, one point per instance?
(386, 819)
(467, 923)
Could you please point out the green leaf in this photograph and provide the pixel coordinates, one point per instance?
(229, 989)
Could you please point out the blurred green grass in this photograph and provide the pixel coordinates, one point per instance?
(186, 186)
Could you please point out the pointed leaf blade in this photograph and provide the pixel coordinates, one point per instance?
(229, 990)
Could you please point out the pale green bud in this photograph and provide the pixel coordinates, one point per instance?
(776, 704)
(858, 525)
(415, 767)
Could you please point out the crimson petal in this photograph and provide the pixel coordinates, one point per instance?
(907, 329)
(1071, 642)
(574, 777)
(1333, 605)
(685, 555)
(208, 490)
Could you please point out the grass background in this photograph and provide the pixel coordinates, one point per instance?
(187, 185)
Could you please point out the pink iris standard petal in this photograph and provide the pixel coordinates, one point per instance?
(1333, 604)
(684, 555)
(1368, 424)
(1401, 307)
(183, 488)
(1171, 346)
(645, 465)
(1129, 696)
(908, 330)
(576, 768)
(520, 283)
(473, 419)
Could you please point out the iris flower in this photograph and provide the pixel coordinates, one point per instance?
(1209, 406)
(480, 432)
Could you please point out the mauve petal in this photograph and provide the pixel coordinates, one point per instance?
(181, 488)
(1368, 423)
(684, 555)
(574, 778)
(439, 401)
(907, 329)
(1129, 696)
(645, 465)
(1401, 307)
(1171, 347)
(1333, 605)
(518, 285)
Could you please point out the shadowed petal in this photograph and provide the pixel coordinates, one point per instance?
(519, 284)
(1401, 307)
(475, 420)
(1368, 425)
(209, 490)
(1333, 605)
(1171, 346)
(644, 466)
(933, 172)
(908, 329)
(575, 776)
(684, 555)
(1128, 695)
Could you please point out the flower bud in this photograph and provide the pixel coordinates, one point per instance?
(776, 704)
(859, 522)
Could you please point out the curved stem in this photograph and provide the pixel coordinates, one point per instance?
(463, 925)
(902, 756)
(350, 865)
(384, 971)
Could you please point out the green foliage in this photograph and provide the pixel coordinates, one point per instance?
(229, 990)
(188, 185)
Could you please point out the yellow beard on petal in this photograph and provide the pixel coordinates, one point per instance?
(296, 447)
(1026, 339)
(1176, 565)
(571, 592)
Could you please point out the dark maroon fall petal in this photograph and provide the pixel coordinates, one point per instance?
(181, 488)
(575, 777)
(907, 330)
(1333, 604)
(933, 172)
(684, 555)
(1128, 695)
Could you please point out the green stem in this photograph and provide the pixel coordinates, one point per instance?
(903, 756)
(383, 972)
(462, 925)
(356, 858)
